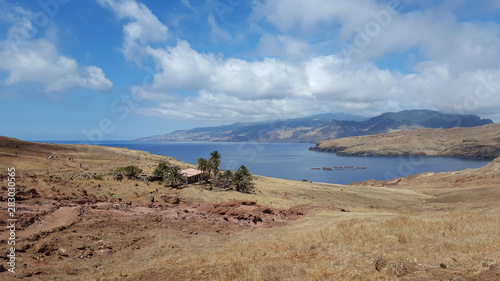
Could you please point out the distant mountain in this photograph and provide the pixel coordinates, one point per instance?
(321, 127)
(339, 116)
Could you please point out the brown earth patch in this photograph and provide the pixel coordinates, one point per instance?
(227, 217)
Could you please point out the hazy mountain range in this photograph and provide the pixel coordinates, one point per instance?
(321, 127)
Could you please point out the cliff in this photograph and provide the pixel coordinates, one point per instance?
(475, 142)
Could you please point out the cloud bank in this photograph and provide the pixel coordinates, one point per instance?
(451, 64)
(31, 58)
(297, 58)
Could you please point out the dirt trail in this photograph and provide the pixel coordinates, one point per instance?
(62, 217)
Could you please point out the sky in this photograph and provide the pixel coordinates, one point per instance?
(116, 70)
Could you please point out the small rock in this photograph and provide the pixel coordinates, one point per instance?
(380, 262)
(442, 265)
(25, 275)
(43, 248)
(23, 247)
(495, 267)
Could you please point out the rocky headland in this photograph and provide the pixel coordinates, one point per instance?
(474, 142)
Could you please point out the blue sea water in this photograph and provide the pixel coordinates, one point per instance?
(294, 161)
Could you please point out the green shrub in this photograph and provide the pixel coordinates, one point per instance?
(131, 172)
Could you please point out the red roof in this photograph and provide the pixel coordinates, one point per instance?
(191, 172)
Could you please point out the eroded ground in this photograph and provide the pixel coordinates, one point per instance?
(423, 227)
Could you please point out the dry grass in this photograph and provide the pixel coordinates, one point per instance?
(416, 229)
(327, 246)
(280, 193)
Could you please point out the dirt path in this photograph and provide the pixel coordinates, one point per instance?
(62, 217)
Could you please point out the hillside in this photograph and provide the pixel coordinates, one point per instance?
(475, 142)
(321, 127)
(423, 227)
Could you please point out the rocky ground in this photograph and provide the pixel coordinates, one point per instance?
(70, 228)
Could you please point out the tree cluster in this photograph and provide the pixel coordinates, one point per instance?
(211, 166)
(170, 175)
(241, 179)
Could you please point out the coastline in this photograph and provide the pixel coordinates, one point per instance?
(473, 143)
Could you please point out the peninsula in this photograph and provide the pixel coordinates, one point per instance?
(474, 142)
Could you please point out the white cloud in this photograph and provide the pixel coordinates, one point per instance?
(37, 60)
(284, 46)
(241, 90)
(144, 27)
(217, 107)
(218, 34)
(237, 88)
(183, 67)
(291, 81)
(308, 16)
(376, 29)
(188, 4)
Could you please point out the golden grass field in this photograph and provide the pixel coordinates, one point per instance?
(426, 227)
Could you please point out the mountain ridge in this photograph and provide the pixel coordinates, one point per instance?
(316, 128)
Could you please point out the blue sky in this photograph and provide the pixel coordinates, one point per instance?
(108, 69)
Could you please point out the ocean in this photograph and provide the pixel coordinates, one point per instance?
(294, 161)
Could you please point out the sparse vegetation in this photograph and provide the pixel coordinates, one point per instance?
(131, 172)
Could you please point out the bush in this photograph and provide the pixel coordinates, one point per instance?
(131, 172)
(161, 169)
(243, 180)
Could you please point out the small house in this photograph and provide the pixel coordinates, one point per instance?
(192, 175)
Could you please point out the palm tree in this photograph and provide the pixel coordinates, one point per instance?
(243, 179)
(203, 165)
(214, 163)
(161, 169)
(228, 175)
(173, 177)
